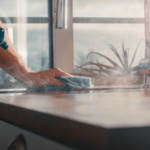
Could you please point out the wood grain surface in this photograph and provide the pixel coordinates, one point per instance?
(95, 120)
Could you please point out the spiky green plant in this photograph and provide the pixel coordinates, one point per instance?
(100, 69)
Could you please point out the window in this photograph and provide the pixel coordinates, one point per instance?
(99, 26)
(104, 26)
(28, 25)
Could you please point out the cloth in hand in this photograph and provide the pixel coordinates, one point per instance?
(70, 84)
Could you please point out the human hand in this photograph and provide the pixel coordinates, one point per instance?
(45, 78)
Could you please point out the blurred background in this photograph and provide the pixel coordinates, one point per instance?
(109, 28)
(100, 26)
(29, 39)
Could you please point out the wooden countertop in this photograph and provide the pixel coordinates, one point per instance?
(99, 120)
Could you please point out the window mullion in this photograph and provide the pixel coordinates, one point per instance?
(108, 20)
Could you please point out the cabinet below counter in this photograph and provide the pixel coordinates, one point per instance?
(103, 120)
(15, 138)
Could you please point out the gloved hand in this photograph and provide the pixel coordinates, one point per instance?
(3, 43)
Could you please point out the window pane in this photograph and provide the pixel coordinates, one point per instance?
(24, 8)
(108, 8)
(38, 47)
(31, 42)
(37, 8)
(96, 38)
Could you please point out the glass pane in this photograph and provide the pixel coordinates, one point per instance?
(108, 8)
(38, 47)
(97, 38)
(24, 8)
(37, 8)
(31, 42)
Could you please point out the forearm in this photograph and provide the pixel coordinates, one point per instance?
(11, 62)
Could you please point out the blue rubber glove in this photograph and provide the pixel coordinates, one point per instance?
(3, 43)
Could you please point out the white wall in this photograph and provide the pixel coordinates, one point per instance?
(63, 50)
